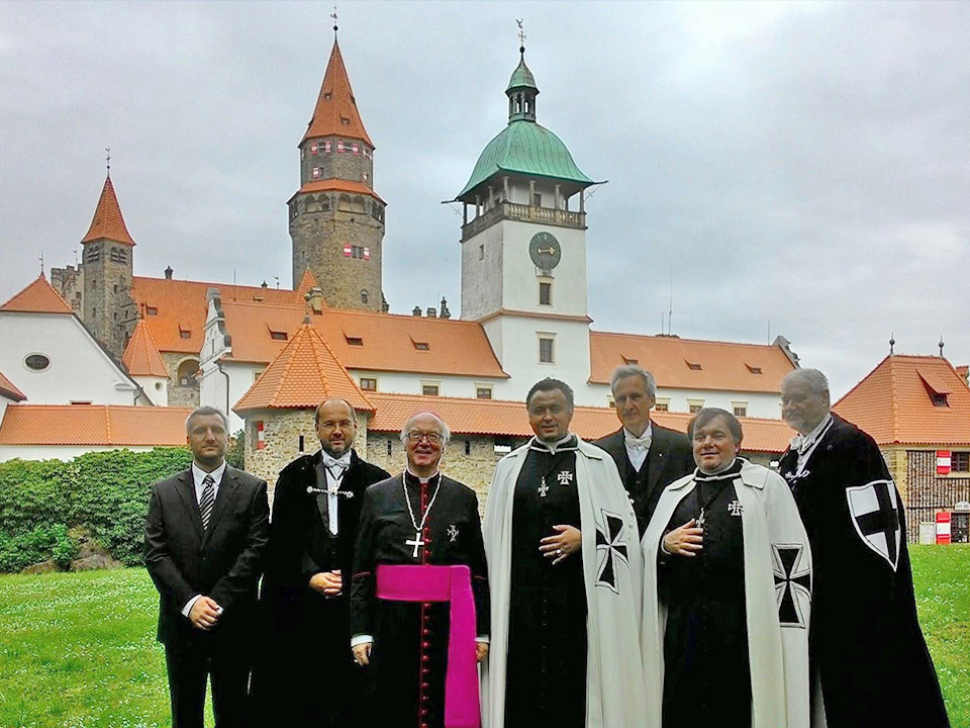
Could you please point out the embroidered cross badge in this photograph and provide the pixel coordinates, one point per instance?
(735, 508)
(564, 477)
(452, 533)
(610, 546)
(793, 584)
(543, 489)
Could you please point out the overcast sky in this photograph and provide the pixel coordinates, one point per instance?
(802, 169)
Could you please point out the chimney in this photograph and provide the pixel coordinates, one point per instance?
(314, 298)
(445, 313)
(168, 273)
(416, 311)
(432, 313)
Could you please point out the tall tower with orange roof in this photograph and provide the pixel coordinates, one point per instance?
(336, 217)
(108, 309)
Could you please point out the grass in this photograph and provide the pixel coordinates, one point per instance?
(79, 650)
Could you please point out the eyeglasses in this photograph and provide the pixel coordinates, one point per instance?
(433, 437)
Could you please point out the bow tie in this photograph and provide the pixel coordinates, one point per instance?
(342, 463)
(635, 443)
(800, 443)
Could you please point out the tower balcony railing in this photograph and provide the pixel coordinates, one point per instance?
(527, 213)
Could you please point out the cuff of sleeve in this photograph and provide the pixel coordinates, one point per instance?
(187, 609)
(361, 639)
(483, 638)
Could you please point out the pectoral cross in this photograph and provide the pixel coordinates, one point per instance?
(543, 488)
(700, 520)
(417, 543)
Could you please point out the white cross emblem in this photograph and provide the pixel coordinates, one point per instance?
(735, 508)
(543, 489)
(452, 532)
(564, 477)
(417, 543)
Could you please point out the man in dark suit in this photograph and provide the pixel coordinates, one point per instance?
(316, 507)
(205, 538)
(648, 456)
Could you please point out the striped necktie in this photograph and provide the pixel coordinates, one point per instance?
(207, 500)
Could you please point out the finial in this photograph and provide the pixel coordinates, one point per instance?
(108, 162)
(41, 264)
(522, 36)
(334, 16)
(941, 346)
(892, 343)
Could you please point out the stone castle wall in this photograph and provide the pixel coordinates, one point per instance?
(337, 165)
(180, 395)
(108, 309)
(69, 282)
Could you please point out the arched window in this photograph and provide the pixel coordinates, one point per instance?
(363, 295)
(188, 372)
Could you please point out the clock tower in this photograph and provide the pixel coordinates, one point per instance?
(523, 238)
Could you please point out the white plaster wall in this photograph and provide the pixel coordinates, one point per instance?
(407, 383)
(760, 404)
(79, 369)
(520, 286)
(212, 387)
(51, 452)
(481, 279)
(156, 388)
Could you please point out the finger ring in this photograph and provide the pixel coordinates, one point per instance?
(559, 552)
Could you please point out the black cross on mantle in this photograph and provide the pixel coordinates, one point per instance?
(791, 579)
(608, 540)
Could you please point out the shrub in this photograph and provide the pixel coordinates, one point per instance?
(32, 547)
(105, 493)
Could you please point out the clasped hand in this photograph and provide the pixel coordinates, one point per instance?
(205, 613)
(686, 540)
(567, 540)
(328, 583)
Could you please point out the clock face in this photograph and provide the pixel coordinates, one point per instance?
(545, 251)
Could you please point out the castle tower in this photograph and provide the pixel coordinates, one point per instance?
(108, 309)
(523, 261)
(336, 218)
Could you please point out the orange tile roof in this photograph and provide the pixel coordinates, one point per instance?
(38, 297)
(307, 281)
(304, 374)
(893, 403)
(336, 111)
(498, 417)
(338, 185)
(8, 390)
(108, 222)
(963, 371)
(93, 425)
(141, 355)
(180, 306)
(723, 365)
(454, 347)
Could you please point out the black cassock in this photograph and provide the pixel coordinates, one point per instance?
(546, 673)
(306, 675)
(865, 643)
(409, 659)
(707, 674)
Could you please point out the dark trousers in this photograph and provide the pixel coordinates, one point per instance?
(188, 667)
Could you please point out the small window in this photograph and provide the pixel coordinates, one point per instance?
(81, 402)
(390, 448)
(960, 462)
(740, 410)
(545, 293)
(327, 95)
(631, 361)
(368, 384)
(753, 368)
(468, 447)
(116, 288)
(695, 406)
(483, 392)
(315, 173)
(662, 407)
(185, 334)
(429, 390)
(481, 252)
(537, 200)
(354, 341)
(37, 362)
(939, 399)
(546, 354)
(422, 345)
(364, 296)
(152, 311)
(693, 366)
(278, 335)
(94, 254)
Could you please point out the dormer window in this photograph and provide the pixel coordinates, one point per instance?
(278, 335)
(627, 360)
(940, 399)
(754, 369)
(354, 341)
(185, 334)
(693, 365)
(421, 345)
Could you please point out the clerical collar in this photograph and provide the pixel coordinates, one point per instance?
(727, 472)
(569, 442)
(422, 481)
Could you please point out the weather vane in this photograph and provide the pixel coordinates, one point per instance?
(108, 152)
(41, 263)
(334, 16)
(518, 22)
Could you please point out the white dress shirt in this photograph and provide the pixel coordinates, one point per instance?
(638, 449)
(198, 475)
(335, 469)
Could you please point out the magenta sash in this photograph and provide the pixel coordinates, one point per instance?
(426, 583)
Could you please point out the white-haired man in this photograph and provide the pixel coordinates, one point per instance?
(867, 650)
(648, 456)
(419, 593)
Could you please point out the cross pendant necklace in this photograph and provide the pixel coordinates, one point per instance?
(418, 527)
(543, 489)
(417, 543)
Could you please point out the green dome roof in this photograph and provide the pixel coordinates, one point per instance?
(527, 148)
(522, 76)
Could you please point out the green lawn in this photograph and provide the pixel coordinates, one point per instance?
(79, 651)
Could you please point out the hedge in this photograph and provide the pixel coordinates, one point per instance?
(104, 493)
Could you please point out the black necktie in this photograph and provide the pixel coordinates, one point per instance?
(207, 500)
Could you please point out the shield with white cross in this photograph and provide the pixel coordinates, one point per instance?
(793, 583)
(875, 515)
(611, 546)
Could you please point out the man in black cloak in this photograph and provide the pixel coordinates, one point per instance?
(868, 654)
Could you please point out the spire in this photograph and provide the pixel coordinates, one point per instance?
(108, 222)
(522, 89)
(336, 111)
(39, 297)
(142, 357)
